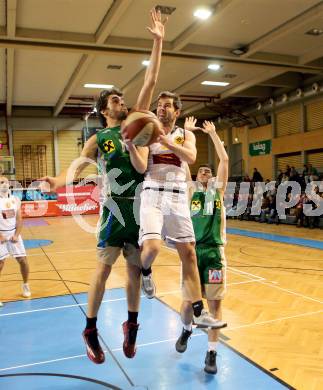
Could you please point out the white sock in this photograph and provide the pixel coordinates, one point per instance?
(188, 327)
(212, 345)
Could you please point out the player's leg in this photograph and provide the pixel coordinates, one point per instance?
(130, 327)
(106, 257)
(17, 249)
(213, 337)
(187, 318)
(24, 270)
(151, 224)
(192, 283)
(214, 277)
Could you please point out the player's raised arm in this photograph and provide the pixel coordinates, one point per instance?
(223, 168)
(157, 30)
(76, 167)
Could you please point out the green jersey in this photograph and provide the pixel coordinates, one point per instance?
(117, 157)
(208, 217)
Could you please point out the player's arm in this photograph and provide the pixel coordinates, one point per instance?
(223, 168)
(190, 184)
(158, 31)
(19, 222)
(186, 151)
(138, 157)
(88, 155)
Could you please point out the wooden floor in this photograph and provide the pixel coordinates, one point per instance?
(273, 305)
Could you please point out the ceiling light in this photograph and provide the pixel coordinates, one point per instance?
(202, 13)
(145, 62)
(214, 67)
(284, 97)
(216, 83)
(236, 139)
(315, 87)
(239, 50)
(299, 92)
(100, 86)
(314, 31)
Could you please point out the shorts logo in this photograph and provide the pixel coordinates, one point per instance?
(196, 205)
(215, 276)
(179, 140)
(109, 146)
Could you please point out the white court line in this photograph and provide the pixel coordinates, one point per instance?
(261, 280)
(160, 295)
(291, 292)
(83, 355)
(238, 271)
(242, 273)
(60, 252)
(80, 304)
(43, 362)
(274, 320)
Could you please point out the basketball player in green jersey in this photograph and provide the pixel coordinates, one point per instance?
(124, 165)
(208, 217)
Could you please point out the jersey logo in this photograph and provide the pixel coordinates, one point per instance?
(179, 140)
(196, 205)
(6, 214)
(215, 276)
(166, 158)
(109, 146)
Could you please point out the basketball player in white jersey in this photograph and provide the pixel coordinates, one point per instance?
(10, 228)
(164, 212)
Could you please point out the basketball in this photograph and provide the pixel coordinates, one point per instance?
(141, 127)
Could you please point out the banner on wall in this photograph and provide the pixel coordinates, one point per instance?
(260, 148)
(72, 200)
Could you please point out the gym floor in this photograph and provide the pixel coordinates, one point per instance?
(273, 308)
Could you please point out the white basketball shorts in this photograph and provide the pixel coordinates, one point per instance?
(164, 214)
(9, 248)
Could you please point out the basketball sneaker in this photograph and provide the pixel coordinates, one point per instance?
(206, 320)
(130, 335)
(181, 343)
(93, 347)
(210, 363)
(148, 286)
(26, 293)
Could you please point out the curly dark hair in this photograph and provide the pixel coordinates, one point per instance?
(102, 102)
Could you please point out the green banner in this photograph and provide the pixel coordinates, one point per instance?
(260, 148)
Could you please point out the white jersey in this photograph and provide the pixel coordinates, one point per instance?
(163, 165)
(8, 213)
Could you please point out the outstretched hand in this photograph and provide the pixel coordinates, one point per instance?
(208, 127)
(190, 124)
(157, 28)
(48, 184)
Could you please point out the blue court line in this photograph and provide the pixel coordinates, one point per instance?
(30, 244)
(278, 238)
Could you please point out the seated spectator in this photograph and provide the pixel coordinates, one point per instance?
(299, 211)
(256, 176)
(279, 176)
(313, 173)
(284, 178)
(247, 178)
(293, 176)
(264, 209)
